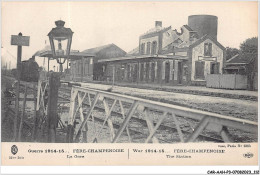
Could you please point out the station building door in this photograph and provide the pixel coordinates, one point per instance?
(120, 72)
(152, 72)
(214, 68)
(142, 72)
(128, 72)
(180, 72)
(147, 71)
(135, 72)
(167, 72)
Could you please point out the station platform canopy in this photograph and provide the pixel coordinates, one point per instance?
(74, 54)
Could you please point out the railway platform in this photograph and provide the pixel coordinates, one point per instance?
(195, 90)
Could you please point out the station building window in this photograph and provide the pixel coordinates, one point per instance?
(142, 48)
(207, 49)
(154, 47)
(148, 49)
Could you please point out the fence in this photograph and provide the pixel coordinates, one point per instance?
(226, 81)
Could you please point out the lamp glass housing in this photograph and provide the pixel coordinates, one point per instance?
(60, 41)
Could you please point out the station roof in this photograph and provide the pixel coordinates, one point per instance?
(234, 67)
(105, 51)
(188, 28)
(74, 54)
(95, 50)
(203, 38)
(242, 59)
(144, 57)
(156, 29)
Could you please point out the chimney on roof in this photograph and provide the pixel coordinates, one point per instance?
(158, 23)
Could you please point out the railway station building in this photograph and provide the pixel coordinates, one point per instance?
(167, 56)
(163, 56)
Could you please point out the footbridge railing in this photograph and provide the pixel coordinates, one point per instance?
(158, 122)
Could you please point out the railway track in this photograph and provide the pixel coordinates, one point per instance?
(65, 95)
(222, 107)
(192, 92)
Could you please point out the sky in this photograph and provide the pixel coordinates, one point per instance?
(99, 23)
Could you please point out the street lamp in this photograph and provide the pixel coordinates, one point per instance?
(60, 41)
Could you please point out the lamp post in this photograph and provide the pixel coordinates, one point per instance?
(60, 41)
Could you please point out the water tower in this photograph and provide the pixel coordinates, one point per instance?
(204, 24)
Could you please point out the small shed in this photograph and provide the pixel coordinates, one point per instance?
(244, 64)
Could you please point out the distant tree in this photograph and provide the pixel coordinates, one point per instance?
(41, 68)
(14, 72)
(249, 46)
(230, 52)
(249, 50)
